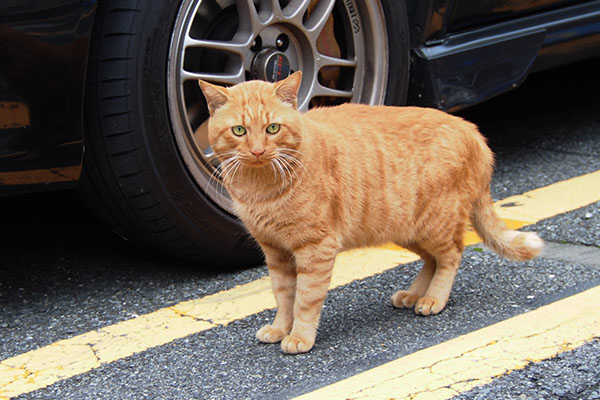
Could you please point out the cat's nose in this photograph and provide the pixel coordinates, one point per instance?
(257, 152)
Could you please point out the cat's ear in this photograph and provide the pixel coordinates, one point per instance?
(216, 96)
(287, 89)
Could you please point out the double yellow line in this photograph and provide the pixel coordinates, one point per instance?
(475, 359)
(66, 358)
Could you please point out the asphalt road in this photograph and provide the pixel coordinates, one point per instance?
(62, 274)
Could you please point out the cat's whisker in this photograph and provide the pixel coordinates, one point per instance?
(227, 161)
(235, 171)
(293, 161)
(226, 169)
(282, 173)
(224, 156)
(231, 167)
(276, 170)
(218, 172)
(230, 173)
(284, 166)
(282, 153)
(292, 164)
(290, 150)
(280, 170)
(272, 162)
(225, 166)
(289, 167)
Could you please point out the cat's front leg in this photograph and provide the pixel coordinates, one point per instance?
(314, 267)
(282, 271)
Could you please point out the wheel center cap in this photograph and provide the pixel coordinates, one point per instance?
(271, 65)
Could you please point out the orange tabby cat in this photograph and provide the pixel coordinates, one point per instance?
(308, 186)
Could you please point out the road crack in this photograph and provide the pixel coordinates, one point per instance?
(194, 317)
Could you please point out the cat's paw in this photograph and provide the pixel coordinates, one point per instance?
(429, 306)
(270, 334)
(294, 344)
(404, 299)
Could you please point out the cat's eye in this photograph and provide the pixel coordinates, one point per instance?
(273, 128)
(238, 130)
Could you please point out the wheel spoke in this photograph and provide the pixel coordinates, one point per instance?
(320, 90)
(318, 18)
(239, 48)
(269, 9)
(221, 78)
(249, 20)
(327, 61)
(296, 9)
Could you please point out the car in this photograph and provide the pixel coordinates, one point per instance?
(103, 95)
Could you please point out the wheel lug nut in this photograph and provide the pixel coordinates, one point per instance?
(282, 42)
(256, 44)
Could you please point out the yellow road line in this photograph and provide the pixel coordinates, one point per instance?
(458, 365)
(66, 358)
(554, 199)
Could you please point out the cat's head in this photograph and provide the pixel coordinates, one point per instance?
(254, 122)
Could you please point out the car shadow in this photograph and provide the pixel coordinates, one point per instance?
(51, 243)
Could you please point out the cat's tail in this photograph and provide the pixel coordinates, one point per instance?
(514, 245)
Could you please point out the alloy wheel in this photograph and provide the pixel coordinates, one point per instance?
(339, 45)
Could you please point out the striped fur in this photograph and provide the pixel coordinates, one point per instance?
(351, 176)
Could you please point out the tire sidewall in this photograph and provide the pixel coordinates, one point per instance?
(195, 213)
(396, 21)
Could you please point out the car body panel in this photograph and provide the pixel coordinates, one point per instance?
(433, 19)
(43, 54)
(455, 69)
(467, 14)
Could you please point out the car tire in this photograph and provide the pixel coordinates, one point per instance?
(136, 175)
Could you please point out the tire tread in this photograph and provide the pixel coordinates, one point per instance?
(119, 181)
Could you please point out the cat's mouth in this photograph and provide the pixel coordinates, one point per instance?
(257, 162)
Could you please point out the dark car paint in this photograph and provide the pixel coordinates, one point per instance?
(43, 53)
(468, 14)
(452, 70)
(433, 19)
(462, 52)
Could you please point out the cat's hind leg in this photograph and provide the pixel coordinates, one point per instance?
(447, 251)
(282, 271)
(408, 298)
(438, 292)
(442, 238)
